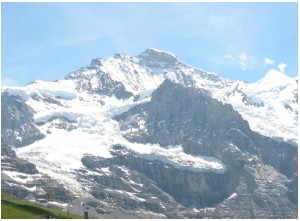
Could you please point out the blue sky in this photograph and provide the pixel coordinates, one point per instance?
(242, 41)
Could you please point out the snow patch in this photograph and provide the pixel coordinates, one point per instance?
(32, 189)
(62, 205)
(105, 170)
(175, 156)
(232, 196)
(18, 177)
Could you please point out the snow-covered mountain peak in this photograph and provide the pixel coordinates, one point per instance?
(274, 78)
(270, 105)
(156, 59)
(274, 73)
(157, 52)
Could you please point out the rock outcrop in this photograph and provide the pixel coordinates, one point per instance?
(17, 125)
(203, 126)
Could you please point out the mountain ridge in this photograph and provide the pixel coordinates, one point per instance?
(131, 77)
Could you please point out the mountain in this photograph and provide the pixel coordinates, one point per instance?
(270, 105)
(148, 136)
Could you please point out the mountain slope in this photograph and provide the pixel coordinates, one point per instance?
(13, 208)
(17, 125)
(270, 105)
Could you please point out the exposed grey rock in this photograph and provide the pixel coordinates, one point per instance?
(47, 98)
(6, 151)
(124, 185)
(22, 179)
(245, 99)
(95, 63)
(203, 126)
(105, 84)
(11, 162)
(186, 187)
(17, 124)
(110, 87)
(60, 122)
(178, 115)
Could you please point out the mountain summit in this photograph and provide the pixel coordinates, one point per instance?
(274, 78)
(148, 136)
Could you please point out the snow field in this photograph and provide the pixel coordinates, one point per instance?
(61, 151)
(131, 74)
(272, 119)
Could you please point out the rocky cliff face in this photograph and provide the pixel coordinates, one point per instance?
(136, 184)
(17, 125)
(204, 126)
(178, 115)
(100, 83)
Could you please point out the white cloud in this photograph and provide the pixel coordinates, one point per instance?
(229, 56)
(282, 67)
(243, 57)
(269, 61)
(246, 62)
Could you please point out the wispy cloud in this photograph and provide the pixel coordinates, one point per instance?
(229, 56)
(282, 67)
(246, 62)
(268, 61)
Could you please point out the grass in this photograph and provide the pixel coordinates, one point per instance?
(13, 208)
